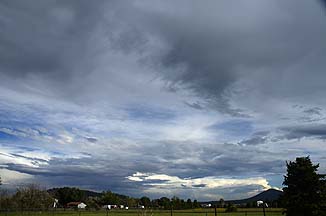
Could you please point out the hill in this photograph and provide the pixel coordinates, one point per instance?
(267, 196)
(86, 193)
(68, 194)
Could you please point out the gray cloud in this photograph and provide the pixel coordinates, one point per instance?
(214, 49)
(194, 105)
(313, 111)
(122, 79)
(48, 38)
(256, 139)
(91, 139)
(201, 48)
(175, 159)
(301, 131)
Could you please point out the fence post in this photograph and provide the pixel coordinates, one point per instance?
(215, 212)
(264, 208)
(171, 211)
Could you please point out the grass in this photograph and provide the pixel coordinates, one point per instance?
(134, 212)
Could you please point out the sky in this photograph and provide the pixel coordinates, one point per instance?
(195, 99)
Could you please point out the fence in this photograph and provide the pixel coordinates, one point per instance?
(137, 212)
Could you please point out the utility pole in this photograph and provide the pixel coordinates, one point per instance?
(264, 208)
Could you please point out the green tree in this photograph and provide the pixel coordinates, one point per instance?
(196, 204)
(145, 201)
(67, 194)
(5, 200)
(221, 203)
(93, 203)
(189, 204)
(304, 188)
(131, 202)
(164, 202)
(32, 197)
(109, 198)
(176, 203)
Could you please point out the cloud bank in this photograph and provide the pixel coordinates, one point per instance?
(194, 99)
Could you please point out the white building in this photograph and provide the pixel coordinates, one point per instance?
(110, 206)
(55, 203)
(206, 205)
(81, 205)
(261, 204)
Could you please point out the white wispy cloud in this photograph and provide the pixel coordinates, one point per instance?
(170, 182)
(207, 187)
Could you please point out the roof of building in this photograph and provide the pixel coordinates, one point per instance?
(73, 203)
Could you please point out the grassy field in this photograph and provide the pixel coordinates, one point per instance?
(196, 212)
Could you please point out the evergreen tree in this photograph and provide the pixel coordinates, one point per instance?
(304, 189)
(189, 204)
(196, 204)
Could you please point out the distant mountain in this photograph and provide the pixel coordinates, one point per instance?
(268, 195)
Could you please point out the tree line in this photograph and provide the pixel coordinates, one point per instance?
(35, 197)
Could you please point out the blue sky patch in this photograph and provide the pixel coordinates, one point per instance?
(149, 113)
(238, 128)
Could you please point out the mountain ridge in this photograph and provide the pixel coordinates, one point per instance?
(269, 195)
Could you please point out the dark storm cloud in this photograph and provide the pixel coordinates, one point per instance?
(77, 172)
(47, 38)
(324, 3)
(298, 132)
(212, 48)
(204, 48)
